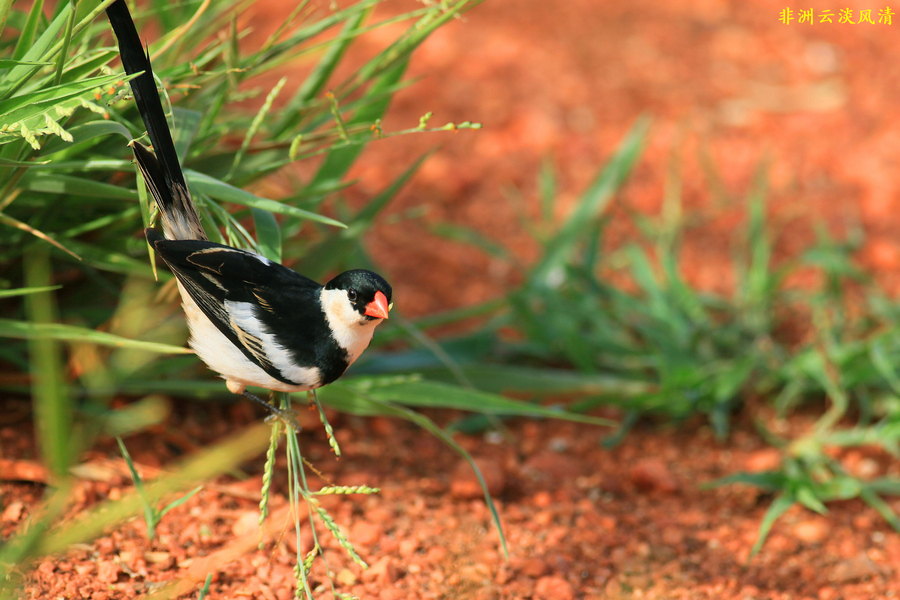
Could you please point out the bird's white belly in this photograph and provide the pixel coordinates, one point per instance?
(225, 358)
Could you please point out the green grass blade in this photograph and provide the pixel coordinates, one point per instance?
(15, 223)
(48, 182)
(23, 291)
(470, 237)
(268, 234)
(881, 360)
(779, 506)
(337, 248)
(222, 191)
(5, 5)
(431, 427)
(431, 394)
(8, 63)
(544, 381)
(29, 31)
(37, 51)
(870, 497)
(315, 81)
(255, 124)
(179, 501)
(371, 405)
(807, 497)
(5, 162)
(67, 39)
(209, 462)
(186, 124)
(150, 516)
(339, 160)
(71, 333)
(52, 404)
(28, 105)
(559, 249)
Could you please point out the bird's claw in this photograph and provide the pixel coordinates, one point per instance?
(288, 416)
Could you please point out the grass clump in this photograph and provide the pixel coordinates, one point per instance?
(619, 324)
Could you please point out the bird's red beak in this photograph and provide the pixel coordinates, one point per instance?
(378, 307)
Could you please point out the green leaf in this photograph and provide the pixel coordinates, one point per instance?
(371, 405)
(8, 63)
(597, 197)
(5, 162)
(841, 487)
(767, 480)
(545, 381)
(178, 502)
(268, 234)
(807, 497)
(52, 99)
(53, 404)
(885, 485)
(316, 80)
(55, 183)
(223, 191)
(86, 132)
(149, 512)
(884, 509)
(109, 260)
(882, 361)
(186, 123)
(336, 248)
(23, 291)
(468, 236)
(71, 333)
(430, 394)
(339, 160)
(29, 30)
(779, 506)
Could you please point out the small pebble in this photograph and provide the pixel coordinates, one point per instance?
(246, 522)
(812, 531)
(765, 459)
(465, 484)
(533, 567)
(652, 474)
(366, 533)
(553, 588)
(108, 571)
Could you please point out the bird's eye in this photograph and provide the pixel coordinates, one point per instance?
(351, 293)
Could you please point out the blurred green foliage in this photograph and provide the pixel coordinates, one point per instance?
(653, 344)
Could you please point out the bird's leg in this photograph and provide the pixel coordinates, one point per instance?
(287, 416)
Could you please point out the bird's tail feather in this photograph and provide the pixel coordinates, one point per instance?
(160, 168)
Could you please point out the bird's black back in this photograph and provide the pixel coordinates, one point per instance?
(285, 302)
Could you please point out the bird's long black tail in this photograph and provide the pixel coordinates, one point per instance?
(160, 168)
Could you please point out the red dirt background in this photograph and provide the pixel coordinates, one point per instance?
(564, 81)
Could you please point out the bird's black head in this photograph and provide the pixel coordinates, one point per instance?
(368, 292)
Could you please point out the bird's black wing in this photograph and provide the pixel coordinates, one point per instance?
(243, 293)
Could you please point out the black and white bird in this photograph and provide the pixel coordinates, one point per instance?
(252, 320)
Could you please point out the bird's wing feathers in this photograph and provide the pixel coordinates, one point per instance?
(232, 288)
(208, 298)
